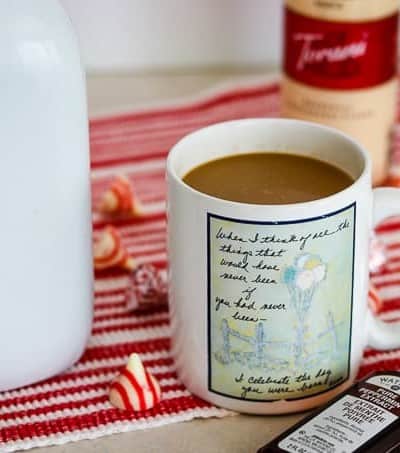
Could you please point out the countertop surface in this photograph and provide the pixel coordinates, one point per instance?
(237, 434)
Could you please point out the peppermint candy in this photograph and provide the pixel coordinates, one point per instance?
(374, 301)
(119, 199)
(148, 287)
(135, 388)
(377, 255)
(110, 253)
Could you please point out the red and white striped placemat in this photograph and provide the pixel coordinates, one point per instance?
(75, 405)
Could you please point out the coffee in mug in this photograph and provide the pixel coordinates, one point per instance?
(267, 178)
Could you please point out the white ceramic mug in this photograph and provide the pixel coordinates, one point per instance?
(269, 302)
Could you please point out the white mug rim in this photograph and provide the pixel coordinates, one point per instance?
(356, 146)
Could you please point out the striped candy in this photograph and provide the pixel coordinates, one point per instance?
(110, 253)
(377, 255)
(147, 288)
(374, 301)
(119, 199)
(135, 388)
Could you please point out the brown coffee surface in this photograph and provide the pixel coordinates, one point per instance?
(268, 178)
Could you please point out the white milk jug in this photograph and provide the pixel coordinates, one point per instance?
(45, 227)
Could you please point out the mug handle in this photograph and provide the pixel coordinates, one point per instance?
(382, 335)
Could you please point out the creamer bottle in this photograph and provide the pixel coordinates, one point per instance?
(46, 275)
(340, 69)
